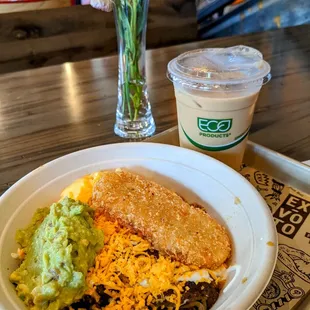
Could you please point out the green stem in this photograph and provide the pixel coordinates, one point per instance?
(136, 114)
(133, 26)
(130, 32)
(127, 92)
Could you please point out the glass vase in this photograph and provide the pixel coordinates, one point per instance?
(133, 114)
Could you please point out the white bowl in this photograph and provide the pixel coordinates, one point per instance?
(196, 177)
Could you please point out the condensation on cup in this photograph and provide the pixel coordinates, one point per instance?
(216, 90)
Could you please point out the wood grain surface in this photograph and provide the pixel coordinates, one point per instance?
(48, 112)
(35, 39)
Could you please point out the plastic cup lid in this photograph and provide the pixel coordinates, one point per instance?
(219, 66)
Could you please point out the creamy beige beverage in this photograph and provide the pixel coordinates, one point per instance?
(216, 101)
(222, 123)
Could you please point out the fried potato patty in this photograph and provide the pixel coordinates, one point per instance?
(171, 225)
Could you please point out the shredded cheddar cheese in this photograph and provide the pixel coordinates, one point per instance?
(133, 276)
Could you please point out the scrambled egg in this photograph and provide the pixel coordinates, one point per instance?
(82, 188)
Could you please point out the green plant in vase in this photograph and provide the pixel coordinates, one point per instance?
(133, 115)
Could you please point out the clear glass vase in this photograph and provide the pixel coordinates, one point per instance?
(133, 115)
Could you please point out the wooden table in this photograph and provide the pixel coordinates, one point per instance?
(46, 113)
(30, 40)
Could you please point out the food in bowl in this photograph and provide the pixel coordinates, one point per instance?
(58, 248)
(133, 244)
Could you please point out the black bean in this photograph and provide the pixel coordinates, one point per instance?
(76, 305)
(87, 299)
(100, 289)
(104, 297)
(86, 302)
(153, 252)
(201, 290)
(104, 300)
(168, 293)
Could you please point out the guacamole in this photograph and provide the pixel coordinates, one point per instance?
(60, 246)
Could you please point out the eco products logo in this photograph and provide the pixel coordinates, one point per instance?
(214, 125)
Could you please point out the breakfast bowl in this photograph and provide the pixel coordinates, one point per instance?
(197, 178)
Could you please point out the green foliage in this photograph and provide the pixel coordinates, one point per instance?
(131, 18)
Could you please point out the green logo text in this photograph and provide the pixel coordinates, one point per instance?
(214, 125)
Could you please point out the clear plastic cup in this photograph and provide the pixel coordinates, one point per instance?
(216, 91)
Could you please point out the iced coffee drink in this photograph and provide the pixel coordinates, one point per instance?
(216, 91)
